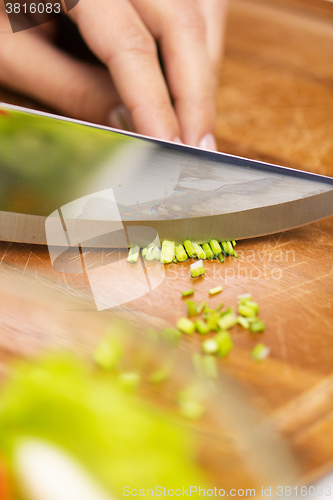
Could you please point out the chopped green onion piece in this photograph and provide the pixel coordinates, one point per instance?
(208, 251)
(189, 248)
(192, 308)
(186, 293)
(224, 248)
(245, 297)
(168, 251)
(185, 325)
(210, 346)
(233, 243)
(150, 255)
(202, 306)
(230, 247)
(260, 352)
(191, 410)
(129, 380)
(225, 343)
(236, 255)
(157, 253)
(199, 251)
(108, 353)
(197, 269)
(171, 335)
(212, 320)
(181, 255)
(243, 322)
(257, 326)
(214, 291)
(227, 321)
(160, 375)
(219, 307)
(253, 305)
(215, 246)
(144, 252)
(175, 261)
(244, 310)
(209, 366)
(220, 256)
(133, 254)
(202, 327)
(227, 247)
(227, 311)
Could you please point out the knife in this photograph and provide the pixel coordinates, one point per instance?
(50, 162)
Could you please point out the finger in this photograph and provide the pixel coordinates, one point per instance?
(215, 14)
(180, 30)
(115, 33)
(31, 65)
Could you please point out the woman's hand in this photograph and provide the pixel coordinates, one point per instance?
(124, 35)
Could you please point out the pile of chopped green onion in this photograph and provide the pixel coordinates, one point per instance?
(248, 311)
(171, 252)
(201, 319)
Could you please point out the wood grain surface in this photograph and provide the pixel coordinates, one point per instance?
(275, 103)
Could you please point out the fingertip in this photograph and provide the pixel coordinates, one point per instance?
(177, 140)
(208, 142)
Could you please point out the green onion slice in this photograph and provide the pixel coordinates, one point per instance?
(192, 308)
(215, 246)
(227, 321)
(257, 326)
(246, 311)
(197, 269)
(210, 346)
(243, 322)
(181, 255)
(189, 248)
(199, 251)
(185, 325)
(168, 252)
(150, 254)
(260, 352)
(133, 254)
(225, 343)
(202, 306)
(245, 297)
(208, 251)
(202, 327)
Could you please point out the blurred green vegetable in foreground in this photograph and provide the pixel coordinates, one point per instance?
(120, 439)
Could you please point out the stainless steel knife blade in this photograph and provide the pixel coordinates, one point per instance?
(48, 162)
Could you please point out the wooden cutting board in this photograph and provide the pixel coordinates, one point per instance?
(275, 103)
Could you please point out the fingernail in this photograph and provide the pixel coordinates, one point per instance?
(208, 142)
(120, 117)
(177, 140)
